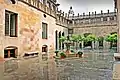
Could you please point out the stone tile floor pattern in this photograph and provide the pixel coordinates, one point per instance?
(93, 66)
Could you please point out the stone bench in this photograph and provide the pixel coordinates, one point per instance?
(117, 56)
(30, 54)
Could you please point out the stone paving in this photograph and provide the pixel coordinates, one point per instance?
(91, 67)
(96, 67)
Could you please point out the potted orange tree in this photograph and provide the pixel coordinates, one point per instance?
(62, 55)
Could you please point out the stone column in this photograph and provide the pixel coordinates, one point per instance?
(93, 45)
(106, 45)
(82, 44)
(118, 20)
(96, 44)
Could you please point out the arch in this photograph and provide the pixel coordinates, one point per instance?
(89, 43)
(56, 39)
(10, 51)
(45, 48)
(63, 34)
(59, 40)
(100, 41)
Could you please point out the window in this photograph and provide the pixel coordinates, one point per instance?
(44, 31)
(104, 18)
(10, 24)
(112, 18)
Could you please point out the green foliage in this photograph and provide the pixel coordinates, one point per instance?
(72, 51)
(62, 38)
(79, 52)
(111, 38)
(76, 38)
(100, 38)
(90, 37)
(62, 54)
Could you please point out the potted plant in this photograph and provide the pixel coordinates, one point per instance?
(80, 53)
(56, 52)
(72, 51)
(62, 55)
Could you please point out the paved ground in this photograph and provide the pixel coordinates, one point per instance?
(91, 67)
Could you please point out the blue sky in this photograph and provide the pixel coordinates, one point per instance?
(80, 6)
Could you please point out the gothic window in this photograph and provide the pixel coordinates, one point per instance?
(98, 19)
(112, 18)
(87, 21)
(104, 18)
(44, 31)
(70, 31)
(10, 24)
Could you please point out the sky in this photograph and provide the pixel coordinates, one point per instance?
(81, 6)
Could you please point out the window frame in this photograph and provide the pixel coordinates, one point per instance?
(11, 33)
(45, 32)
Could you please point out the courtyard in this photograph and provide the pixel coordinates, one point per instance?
(94, 65)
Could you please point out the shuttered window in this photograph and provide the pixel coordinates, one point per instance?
(44, 31)
(10, 24)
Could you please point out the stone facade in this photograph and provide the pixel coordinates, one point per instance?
(117, 4)
(100, 25)
(31, 14)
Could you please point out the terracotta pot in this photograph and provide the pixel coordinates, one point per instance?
(62, 57)
(80, 55)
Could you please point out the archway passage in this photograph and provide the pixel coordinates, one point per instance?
(100, 40)
(45, 48)
(63, 34)
(10, 51)
(59, 40)
(56, 39)
(88, 43)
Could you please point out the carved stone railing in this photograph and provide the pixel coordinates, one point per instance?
(96, 24)
(40, 6)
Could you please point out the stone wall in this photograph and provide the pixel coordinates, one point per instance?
(30, 20)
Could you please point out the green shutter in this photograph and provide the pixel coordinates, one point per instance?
(6, 24)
